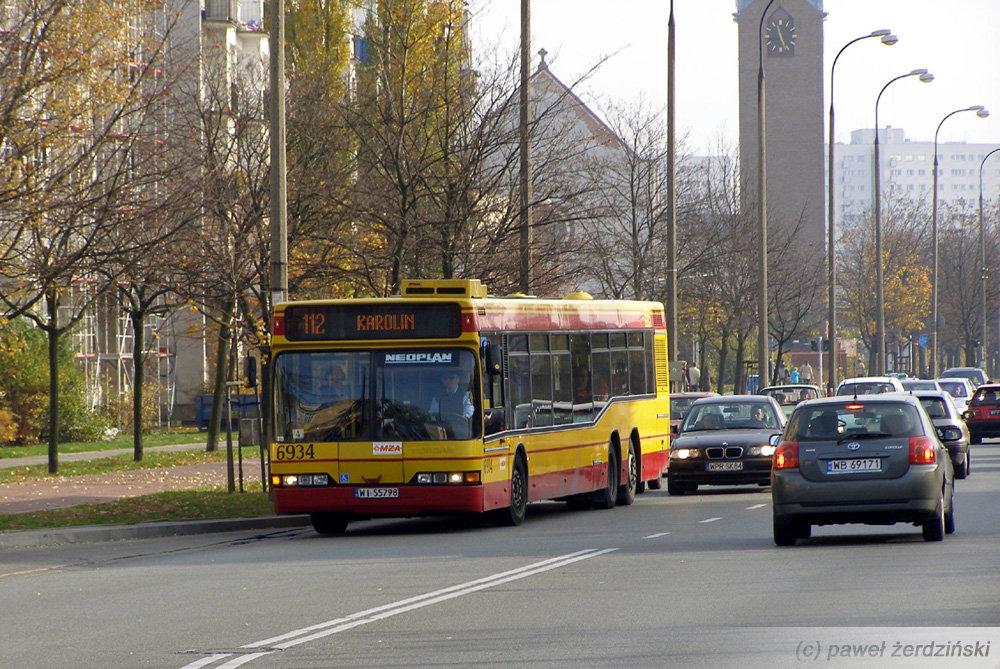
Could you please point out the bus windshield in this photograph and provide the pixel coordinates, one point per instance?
(397, 394)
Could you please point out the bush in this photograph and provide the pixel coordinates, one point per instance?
(24, 389)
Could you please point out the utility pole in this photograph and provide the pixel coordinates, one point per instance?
(525, 153)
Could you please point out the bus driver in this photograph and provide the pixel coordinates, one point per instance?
(453, 406)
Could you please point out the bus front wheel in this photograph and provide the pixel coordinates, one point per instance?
(513, 514)
(629, 487)
(329, 523)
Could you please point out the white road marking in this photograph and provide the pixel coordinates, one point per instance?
(654, 536)
(710, 520)
(756, 506)
(324, 629)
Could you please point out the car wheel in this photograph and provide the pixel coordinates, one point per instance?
(968, 465)
(328, 523)
(933, 528)
(784, 533)
(606, 498)
(629, 487)
(513, 514)
(675, 488)
(949, 521)
(803, 531)
(656, 484)
(975, 439)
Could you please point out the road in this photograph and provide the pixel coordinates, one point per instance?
(691, 581)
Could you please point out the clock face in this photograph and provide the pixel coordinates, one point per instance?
(780, 36)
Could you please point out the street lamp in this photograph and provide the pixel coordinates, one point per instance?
(981, 113)
(888, 39)
(879, 368)
(763, 355)
(982, 263)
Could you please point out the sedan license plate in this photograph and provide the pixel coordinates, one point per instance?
(995, 412)
(853, 465)
(376, 493)
(735, 466)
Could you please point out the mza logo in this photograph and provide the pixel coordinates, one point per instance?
(387, 448)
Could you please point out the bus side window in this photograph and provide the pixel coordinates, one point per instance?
(494, 416)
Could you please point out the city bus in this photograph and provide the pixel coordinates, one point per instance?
(445, 400)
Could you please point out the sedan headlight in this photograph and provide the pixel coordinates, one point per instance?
(685, 453)
(764, 451)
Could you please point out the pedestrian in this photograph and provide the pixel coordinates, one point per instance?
(694, 378)
(806, 374)
(795, 375)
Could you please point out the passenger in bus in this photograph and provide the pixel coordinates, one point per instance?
(334, 386)
(453, 407)
(583, 392)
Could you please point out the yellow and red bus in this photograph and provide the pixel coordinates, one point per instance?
(445, 400)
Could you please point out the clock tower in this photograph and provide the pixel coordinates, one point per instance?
(790, 45)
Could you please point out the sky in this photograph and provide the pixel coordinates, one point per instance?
(954, 39)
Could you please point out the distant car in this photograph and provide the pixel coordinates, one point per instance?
(869, 385)
(960, 389)
(874, 459)
(951, 428)
(974, 374)
(920, 384)
(680, 403)
(983, 415)
(725, 440)
(788, 396)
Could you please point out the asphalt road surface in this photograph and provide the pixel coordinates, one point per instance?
(693, 581)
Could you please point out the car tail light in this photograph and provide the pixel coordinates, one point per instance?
(787, 455)
(922, 451)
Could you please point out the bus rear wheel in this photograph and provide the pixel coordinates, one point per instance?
(513, 514)
(329, 523)
(607, 496)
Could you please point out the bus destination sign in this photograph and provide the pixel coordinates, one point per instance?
(369, 321)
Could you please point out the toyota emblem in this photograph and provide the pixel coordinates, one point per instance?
(853, 446)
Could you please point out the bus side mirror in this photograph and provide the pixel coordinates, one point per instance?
(251, 372)
(494, 362)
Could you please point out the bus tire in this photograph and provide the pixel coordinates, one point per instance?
(513, 514)
(607, 496)
(627, 490)
(329, 523)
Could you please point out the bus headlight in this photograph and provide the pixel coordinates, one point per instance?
(443, 478)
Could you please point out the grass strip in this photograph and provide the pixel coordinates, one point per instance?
(196, 504)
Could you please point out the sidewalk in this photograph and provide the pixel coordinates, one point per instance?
(66, 491)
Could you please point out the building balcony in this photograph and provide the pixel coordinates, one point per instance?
(246, 15)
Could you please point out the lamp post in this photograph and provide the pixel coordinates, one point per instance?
(879, 368)
(763, 355)
(888, 39)
(982, 264)
(981, 113)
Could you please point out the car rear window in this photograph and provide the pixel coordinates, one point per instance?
(868, 388)
(934, 406)
(843, 421)
(982, 397)
(954, 389)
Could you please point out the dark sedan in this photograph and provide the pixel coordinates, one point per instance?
(950, 426)
(874, 460)
(725, 440)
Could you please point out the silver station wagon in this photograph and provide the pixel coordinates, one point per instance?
(873, 459)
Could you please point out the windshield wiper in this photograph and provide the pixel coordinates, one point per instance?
(863, 435)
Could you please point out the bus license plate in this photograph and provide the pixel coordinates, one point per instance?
(853, 465)
(376, 493)
(736, 466)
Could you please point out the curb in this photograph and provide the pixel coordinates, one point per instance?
(153, 530)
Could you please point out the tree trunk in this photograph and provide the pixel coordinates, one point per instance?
(219, 386)
(52, 304)
(138, 372)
